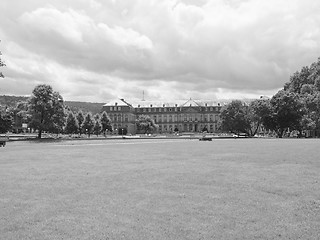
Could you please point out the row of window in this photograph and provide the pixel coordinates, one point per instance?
(168, 118)
(185, 117)
(187, 127)
(175, 109)
(180, 127)
(115, 108)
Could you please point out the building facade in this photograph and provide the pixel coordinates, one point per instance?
(182, 116)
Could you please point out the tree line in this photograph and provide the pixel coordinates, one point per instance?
(45, 111)
(296, 107)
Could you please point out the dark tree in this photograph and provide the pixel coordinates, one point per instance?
(80, 119)
(88, 124)
(286, 112)
(6, 120)
(146, 124)
(105, 123)
(72, 125)
(46, 108)
(97, 127)
(234, 118)
(259, 110)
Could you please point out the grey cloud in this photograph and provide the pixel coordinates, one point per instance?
(189, 46)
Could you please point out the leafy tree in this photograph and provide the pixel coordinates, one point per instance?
(122, 131)
(146, 124)
(1, 65)
(234, 118)
(46, 108)
(311, 109)
(97, 127)
(80, 119)
(59, 116)
(6, 120)
(96, 116)
(259, 110)
(72, 125)
(105, 123)
(286, 111)
(88, 124)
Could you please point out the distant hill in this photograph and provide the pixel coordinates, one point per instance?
(84, 106)
(11, 101)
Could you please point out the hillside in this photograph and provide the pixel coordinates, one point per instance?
(84, 106)
(74, 106)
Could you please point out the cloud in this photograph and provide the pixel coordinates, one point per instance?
(169, 48)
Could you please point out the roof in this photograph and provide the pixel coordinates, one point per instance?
(176, 103)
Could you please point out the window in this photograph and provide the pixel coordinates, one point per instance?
(111, 108)
(119, 108)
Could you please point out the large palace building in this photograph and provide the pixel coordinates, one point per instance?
(182, 116)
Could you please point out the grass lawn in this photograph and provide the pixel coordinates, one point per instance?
(161, 189)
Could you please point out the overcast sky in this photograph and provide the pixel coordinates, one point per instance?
(96, 50)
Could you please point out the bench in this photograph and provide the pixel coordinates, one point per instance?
(3, 141)
(205, 138)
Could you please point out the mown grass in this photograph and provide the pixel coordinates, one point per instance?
(161, 189)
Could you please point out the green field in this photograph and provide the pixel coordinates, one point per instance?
(161, 189)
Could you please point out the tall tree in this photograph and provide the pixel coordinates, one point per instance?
(105, 123)
(88, 124)
(286, 112)
(259, 110)
(72, 125)
(234, 118)
(80, 119)
(46, 108)
(6, 120)
(97, 127)
(146, 124)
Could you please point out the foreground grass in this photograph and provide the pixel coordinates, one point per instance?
(161, 189)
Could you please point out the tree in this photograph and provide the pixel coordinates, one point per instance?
(59, 116)
(105, 123)
(146, 124)
(6, 120)
(97, 127)
(286, 111)
(259, 110)
(234, 118)
(88, 124)
(122, 131)
(72, 125)
(311, 109)
(46, 108)
(1, 65)
(80, 119)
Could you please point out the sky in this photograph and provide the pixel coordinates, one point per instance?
(96, 50)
